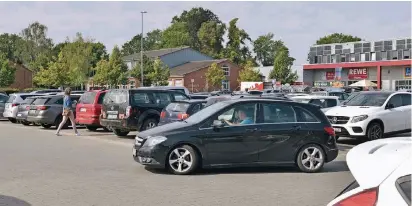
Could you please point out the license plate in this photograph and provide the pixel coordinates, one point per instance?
(83, 109)
(32, 111)
(134, 152)
(337, 129)
(111, 116)
(19, 115)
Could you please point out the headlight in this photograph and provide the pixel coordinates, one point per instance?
(152, 141)
(359, 118)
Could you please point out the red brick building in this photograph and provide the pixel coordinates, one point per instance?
(195, 71)
(23, 77)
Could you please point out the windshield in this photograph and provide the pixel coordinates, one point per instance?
(372, 100)
(115, 97)
(177, 107)
(88, 97)
(206, 112)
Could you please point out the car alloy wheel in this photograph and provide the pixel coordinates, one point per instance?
(182, 160)
(151, 125)
(375, 131)
(311, 158)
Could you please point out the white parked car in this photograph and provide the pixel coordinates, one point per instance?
(372, 115)
(382, 171)
(290, 95)
(326, 102)
(11, 106)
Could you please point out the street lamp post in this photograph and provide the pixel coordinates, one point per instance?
(141, 52)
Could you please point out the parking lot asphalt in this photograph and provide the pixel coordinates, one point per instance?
(97, 168)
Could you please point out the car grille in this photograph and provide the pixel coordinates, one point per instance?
(338, 119)
(139, 141)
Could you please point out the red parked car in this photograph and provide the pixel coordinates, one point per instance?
(89, 108)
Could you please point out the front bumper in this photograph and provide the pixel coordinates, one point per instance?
(149, 156)
(357, 129)
(40, 120)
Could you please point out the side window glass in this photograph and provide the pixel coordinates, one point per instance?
(196, 108)
(396, 100)
(3, 99)
(330, 103)
(59, 101)
(406, 99)
(242, 114)
(141, 98)
(317, 102)
(101, 97)
(162, 98)
(345, 96)
(179, 96)
(304, 115)
(278, 113)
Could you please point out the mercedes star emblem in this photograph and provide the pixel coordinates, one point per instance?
(112, 108)
(334, 119)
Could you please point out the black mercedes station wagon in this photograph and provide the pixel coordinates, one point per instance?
(241, 132)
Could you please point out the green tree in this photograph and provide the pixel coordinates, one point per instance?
(337, 38)
(236, 49)
(249, 74)
(282, 70)
(210, 37)
(7, 72)
(35, 46)
(102, 71)
(176, 35)
(9, 44)
(98, 53)
(152, 41)
(160, 73)
(147, 69)
(57, 74)
(118, 69)
(193, 20)
(214, 76)
(265, 48)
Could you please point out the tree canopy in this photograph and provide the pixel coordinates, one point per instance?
(282, 67)
(7, 71)
(337, 38)
(249, 74)
(214, 76)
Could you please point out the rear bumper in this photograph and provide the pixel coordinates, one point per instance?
(40, 119)
(331, 153)
(88, 121)
(10, 113)
(21, 115)
(124, 124)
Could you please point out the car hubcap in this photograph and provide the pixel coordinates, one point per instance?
(312, 158)
(180, 160)
(151, 125)
(375, 132)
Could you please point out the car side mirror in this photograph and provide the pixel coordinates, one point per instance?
(390, 106)
(218, 123)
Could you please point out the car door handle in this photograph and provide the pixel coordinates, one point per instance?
(251, 130)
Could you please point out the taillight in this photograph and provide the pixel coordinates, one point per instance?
(128, 111)
(163, 114)
(27, 107)
(14, 105)
(42, 108)
(364, 198)
(182, 116)
(330, 131)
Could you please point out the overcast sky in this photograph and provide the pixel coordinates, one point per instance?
(298, 24)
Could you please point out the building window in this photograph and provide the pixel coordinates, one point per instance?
(367, 57)
(407, 54)
(352, 57)
(226, 70)
(357, 57)
(324, 59)
(384, 55)
(342, 58)
(225, 85)
(378, 46)
(402, 84)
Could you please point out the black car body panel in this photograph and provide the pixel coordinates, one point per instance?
(243, 145)
(143, 104)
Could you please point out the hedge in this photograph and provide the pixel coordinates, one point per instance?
(32, 89)
(9, 90)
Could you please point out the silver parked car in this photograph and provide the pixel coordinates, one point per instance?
(23, 110)
(3, 100)
(47, 110)
(10, 109)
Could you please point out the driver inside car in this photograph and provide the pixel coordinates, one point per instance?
(243, 118)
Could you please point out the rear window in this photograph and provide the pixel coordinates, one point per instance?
(3, 98)
(177, 107)
(116, 97)
(28, 101)
(11, 99)
(101, 97)
(40, 101)
(88, 97)
(27, 96)
(180, 90)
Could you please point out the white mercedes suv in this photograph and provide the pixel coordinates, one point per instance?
(372, 114)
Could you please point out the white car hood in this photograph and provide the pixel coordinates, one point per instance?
(351, 111)
(372, 162)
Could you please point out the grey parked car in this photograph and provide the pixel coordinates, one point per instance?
(47, 110)
(3, 100)
(23, 110)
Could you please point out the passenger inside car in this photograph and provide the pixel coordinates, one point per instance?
(242, 116)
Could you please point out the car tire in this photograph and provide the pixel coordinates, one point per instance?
(46, 126)
(336, 138)
(182, 160)
(374, 131)
(149, 123)
(311, 158)
(12, 120)
(91, 128)
(25, 123)
(106, 129)
(120, 133)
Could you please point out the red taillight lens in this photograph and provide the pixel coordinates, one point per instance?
(330, 131)
(182, 116)
(128, 111)
(27, 107)
(163, 114)
(14, 105)
(364, 198)
(41, 108)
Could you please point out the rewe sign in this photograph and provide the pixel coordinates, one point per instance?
(358, 73)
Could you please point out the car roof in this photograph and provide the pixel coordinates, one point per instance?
(191, 101)
(315, 97)
(230, 101)
(155, 89)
